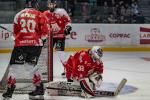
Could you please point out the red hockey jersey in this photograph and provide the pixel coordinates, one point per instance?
(30, 26)
(58, 20)
(81, 65)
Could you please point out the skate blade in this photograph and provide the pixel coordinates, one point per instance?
(38, 97)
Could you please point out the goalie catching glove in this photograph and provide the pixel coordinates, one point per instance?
(68, 29)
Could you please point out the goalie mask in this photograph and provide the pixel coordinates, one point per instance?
(51, 5)
(96, 52)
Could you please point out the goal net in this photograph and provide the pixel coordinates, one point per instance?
(45, 64)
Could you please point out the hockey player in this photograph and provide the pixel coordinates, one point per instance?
(85, 67)
(60, 23)
(30, 28)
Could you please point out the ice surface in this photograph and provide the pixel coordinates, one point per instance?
(4, 61)
(118, 65)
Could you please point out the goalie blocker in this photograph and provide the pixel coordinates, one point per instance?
(74, 89)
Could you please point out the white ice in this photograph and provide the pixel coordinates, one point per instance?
(118, 65)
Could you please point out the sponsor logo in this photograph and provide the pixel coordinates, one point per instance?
(73, 35)
(28, 41)
(144, 35)
(95, 36)
(4, 34)
(119, 35)
(20, 57)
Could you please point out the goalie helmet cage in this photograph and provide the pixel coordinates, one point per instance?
(45, 64)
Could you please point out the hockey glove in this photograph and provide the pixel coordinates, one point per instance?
(67, 30)
(96, 79)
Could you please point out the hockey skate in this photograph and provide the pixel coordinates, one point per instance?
(8, 94)
(38, 93)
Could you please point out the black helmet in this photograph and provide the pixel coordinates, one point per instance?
(51, 1)
(32, 4)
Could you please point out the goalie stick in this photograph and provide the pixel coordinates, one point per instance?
(70, 89)
(8, 31)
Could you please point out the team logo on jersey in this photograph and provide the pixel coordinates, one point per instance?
(55, 28)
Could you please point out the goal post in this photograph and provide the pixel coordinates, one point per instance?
(50, 57)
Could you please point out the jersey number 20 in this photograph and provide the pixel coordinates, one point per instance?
(27, 25)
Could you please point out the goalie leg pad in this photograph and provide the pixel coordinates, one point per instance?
(86, 88)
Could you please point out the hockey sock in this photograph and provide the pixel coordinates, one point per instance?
(11, 81)
(36, 80)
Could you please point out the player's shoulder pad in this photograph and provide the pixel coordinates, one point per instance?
(83, 53)
(61, 12)
(17, 15)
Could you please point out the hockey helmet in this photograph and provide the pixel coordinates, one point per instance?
(51, 1)
(96, 52)
(32, 4)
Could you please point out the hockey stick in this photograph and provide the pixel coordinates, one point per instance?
(67, 89)
(77, 92)
(8, 31)
(120, 86)
(112, 93)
